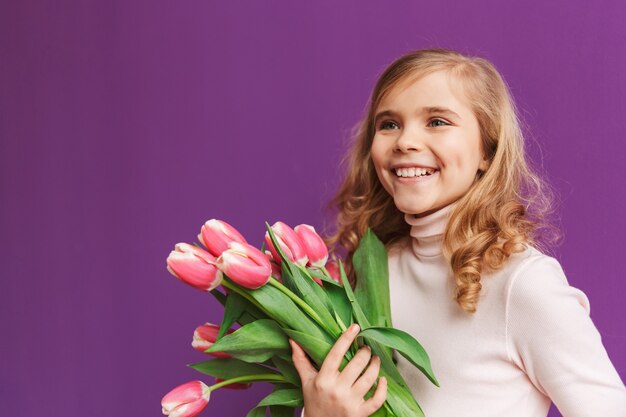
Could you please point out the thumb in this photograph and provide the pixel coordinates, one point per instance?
(302, 363)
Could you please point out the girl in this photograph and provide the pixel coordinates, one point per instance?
(438, 171)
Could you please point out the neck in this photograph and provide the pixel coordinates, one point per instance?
(427, 231)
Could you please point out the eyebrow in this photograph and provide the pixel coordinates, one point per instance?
(427, 110)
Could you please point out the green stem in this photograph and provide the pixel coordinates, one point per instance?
(300, 302)
(249, 378)
(325, 271)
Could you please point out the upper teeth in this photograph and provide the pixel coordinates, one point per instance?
(413, 172)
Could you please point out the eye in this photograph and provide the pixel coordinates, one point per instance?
(386, 123)
(438, 120)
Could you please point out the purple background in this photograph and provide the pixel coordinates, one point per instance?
(124, 125)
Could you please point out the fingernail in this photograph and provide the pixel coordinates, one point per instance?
(354, 328)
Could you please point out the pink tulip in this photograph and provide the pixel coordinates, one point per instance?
(246, 265)
(235, 385)
(194, 266)
(215, 235)
(315, 248)
(186, 400)
(289, 242)
(205, 336)
(333, 270)
(276, 269)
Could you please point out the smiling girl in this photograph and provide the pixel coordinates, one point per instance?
(438, 171)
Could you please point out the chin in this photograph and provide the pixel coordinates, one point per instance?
(413, 207)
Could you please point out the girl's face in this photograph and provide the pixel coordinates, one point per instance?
(427, 146)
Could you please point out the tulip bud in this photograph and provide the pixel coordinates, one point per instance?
(186, 400)
(235, 385)
(194, 266)
(246, 265)
(276, 269)
(215, 235)
(205, 336)
(289, 242)
(333, 270)
(315, 248)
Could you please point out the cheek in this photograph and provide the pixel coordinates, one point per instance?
(455, 159)
(381, 173)
(377, 156)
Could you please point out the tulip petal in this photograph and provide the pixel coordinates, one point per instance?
(314, 245)
(246, 265)
(186, 400)
(215, 235)
(194, 267)
(204, 337)
(291, 239)
(289, 242)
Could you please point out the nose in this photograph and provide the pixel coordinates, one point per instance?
(409, 140)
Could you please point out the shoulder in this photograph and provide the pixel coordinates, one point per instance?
(542, 308)
(537, 280)
(530, 260)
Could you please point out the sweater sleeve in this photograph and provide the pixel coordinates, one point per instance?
(551, 337)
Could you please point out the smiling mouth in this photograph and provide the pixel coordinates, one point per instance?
(414, 172)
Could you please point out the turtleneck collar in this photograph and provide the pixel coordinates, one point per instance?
(427, 232)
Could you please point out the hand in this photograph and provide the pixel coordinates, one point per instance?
(340, 394)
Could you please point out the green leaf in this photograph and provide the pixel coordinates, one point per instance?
(405, 344)
(234, 308)
(316, 348)
(247, 318)
(230, 368)
(361, 318)
(401, 401)
(218, 296)
(254, 342)
(386, 357)
(314, 296)
(372, 284)
(279, 306)
(317, 273)
(251, 314)
(281, 411)
(286, 397)
(341, 305)
(288, 370)
(256, 412)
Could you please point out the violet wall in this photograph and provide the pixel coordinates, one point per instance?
(124, 125)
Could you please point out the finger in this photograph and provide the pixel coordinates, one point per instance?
(378, 399)
(365, 383)
(338, 351)
(356, 365)
(301, 362)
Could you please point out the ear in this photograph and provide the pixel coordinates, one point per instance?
(484, 164)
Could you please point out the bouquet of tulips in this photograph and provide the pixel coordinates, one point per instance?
(288, 292)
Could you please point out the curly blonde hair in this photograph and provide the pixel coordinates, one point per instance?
(504, 209)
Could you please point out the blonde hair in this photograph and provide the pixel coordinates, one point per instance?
(501, 213)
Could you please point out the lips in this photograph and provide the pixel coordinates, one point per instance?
(412, 165)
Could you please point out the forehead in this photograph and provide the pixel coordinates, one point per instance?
(437, 89)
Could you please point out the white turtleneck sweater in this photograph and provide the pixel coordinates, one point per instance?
(531, 340)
